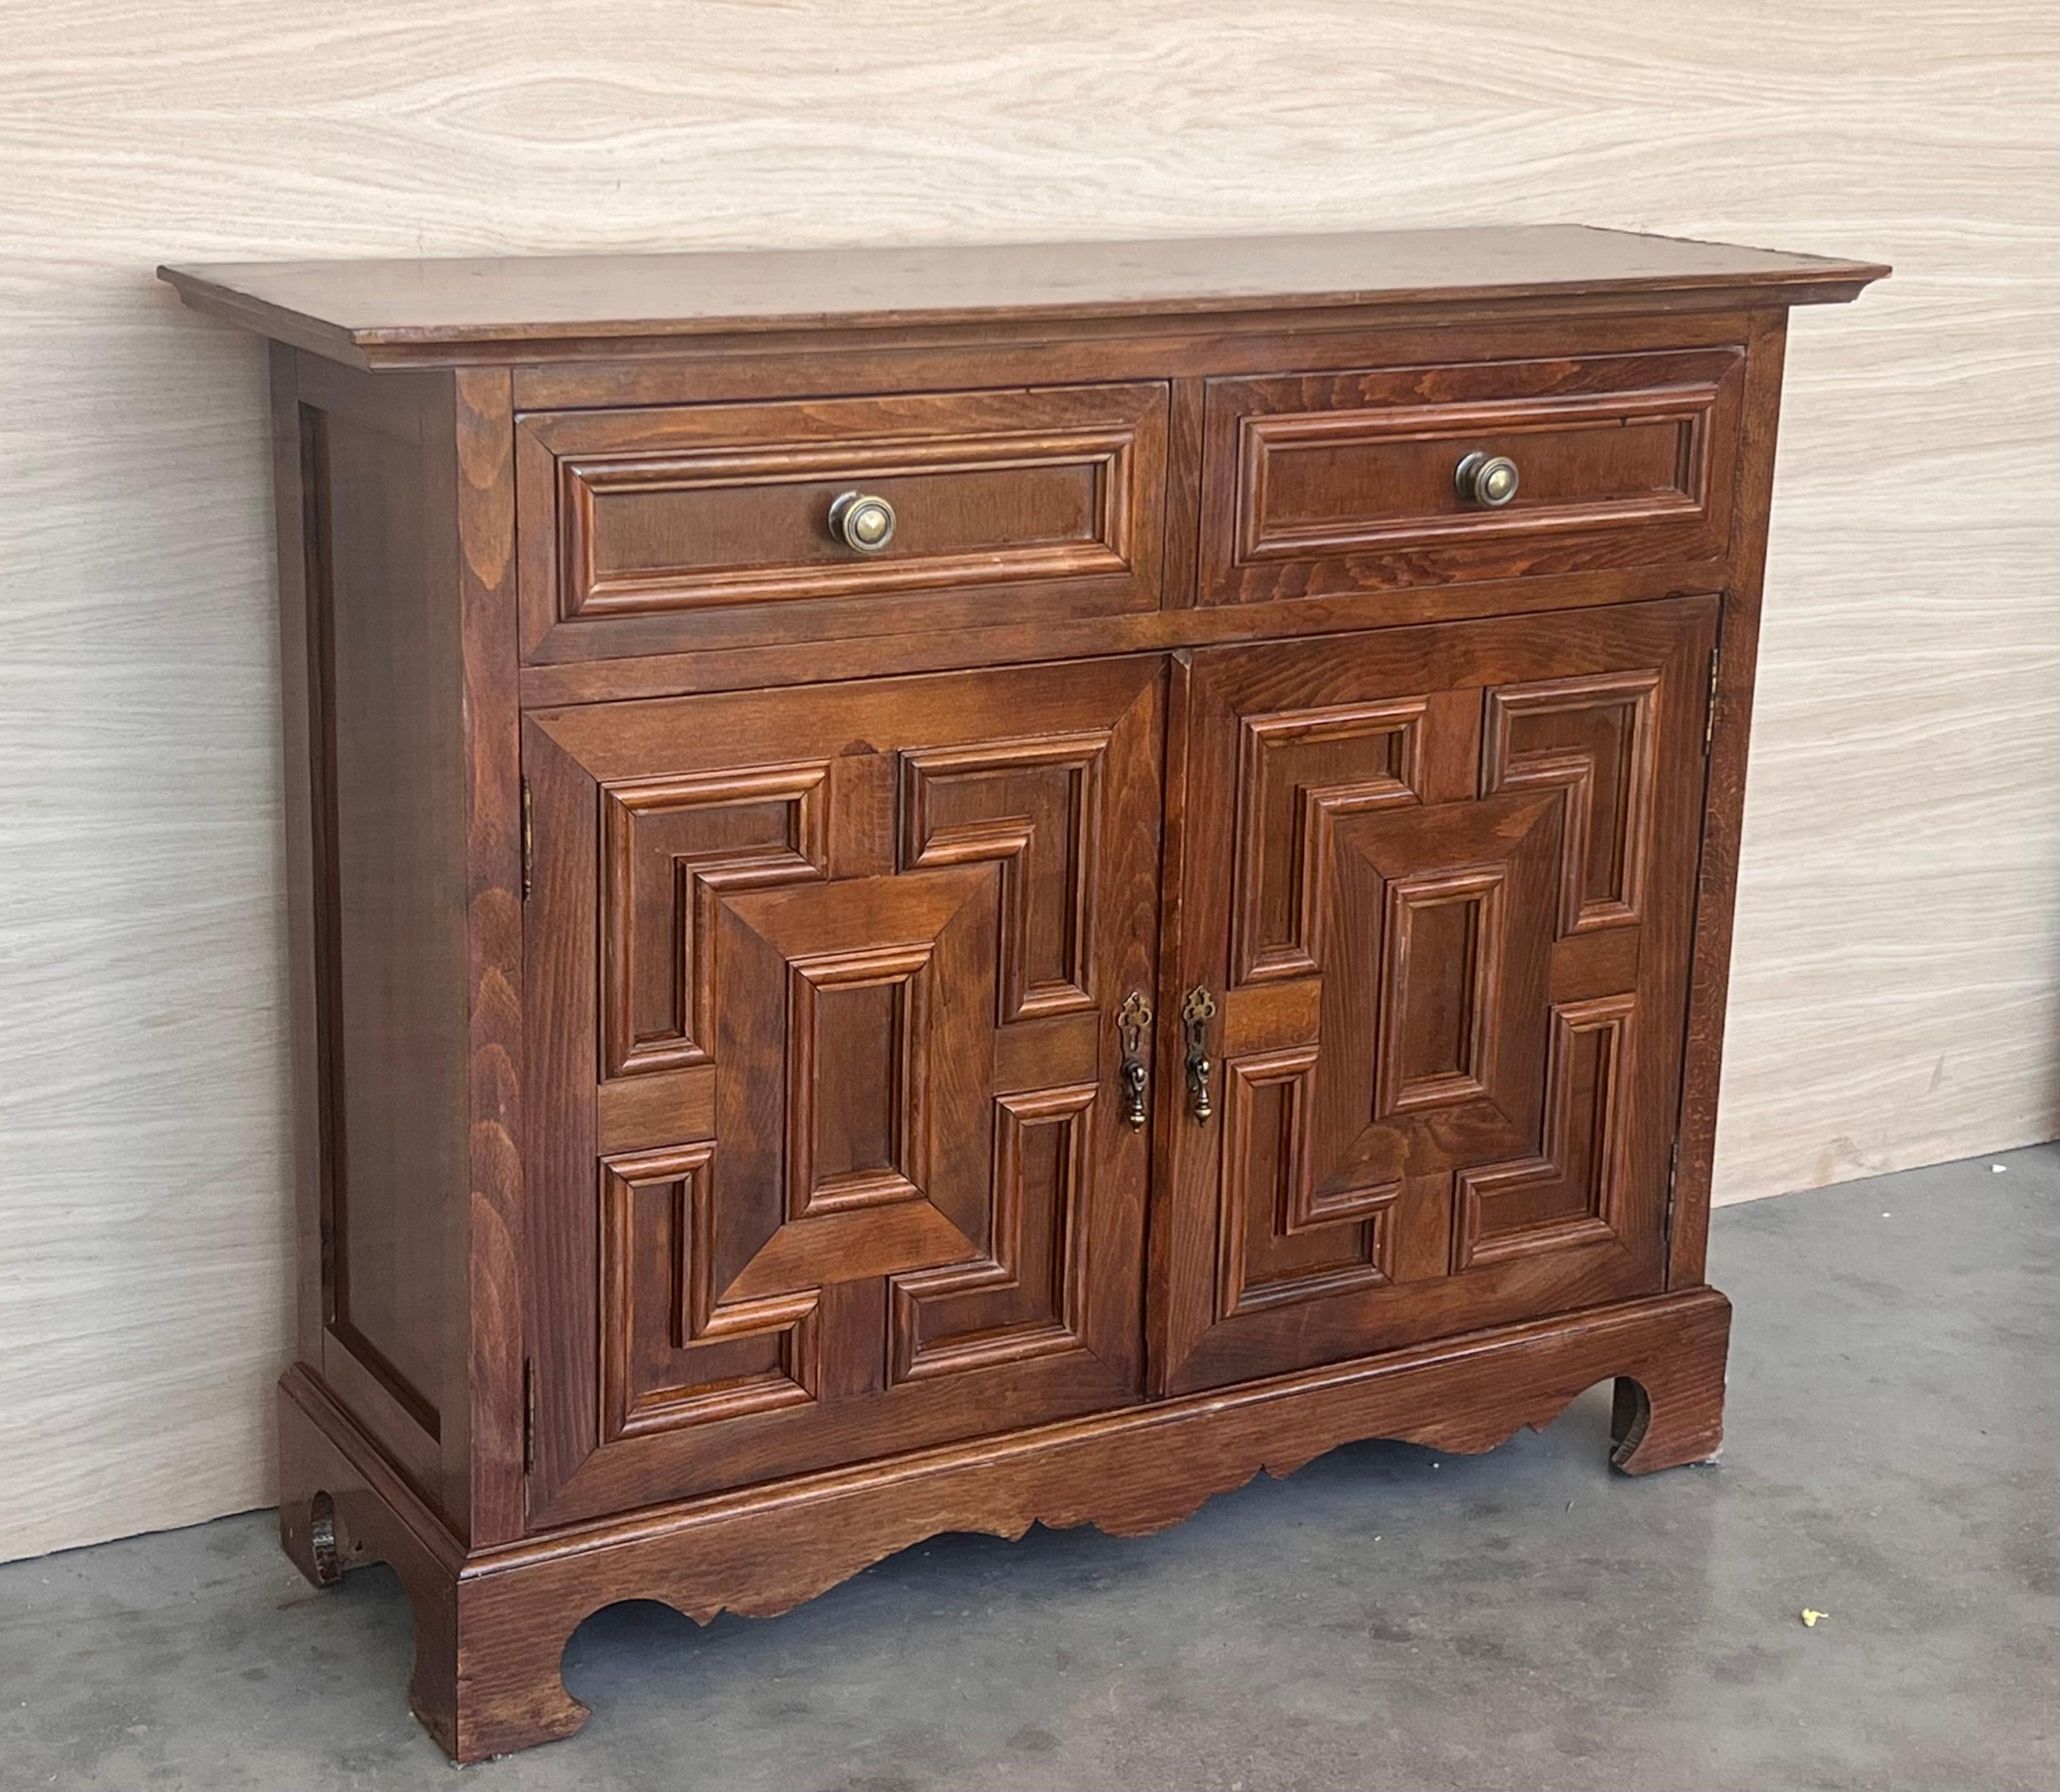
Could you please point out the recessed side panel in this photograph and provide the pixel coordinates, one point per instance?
(388, 842)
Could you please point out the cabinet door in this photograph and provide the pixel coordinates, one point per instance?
(829, 1157)
(1439, 882)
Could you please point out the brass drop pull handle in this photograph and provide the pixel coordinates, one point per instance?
(1198, 1011)
(1133, 1027)
(1486, 479)
(861, 521)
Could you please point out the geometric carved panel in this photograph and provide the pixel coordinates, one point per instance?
(1025, 1297)
(1440, 984)
(853, 1024)
(1299, 772)
(829, 1157)
(861, 1020)
(1594, 738)
(1429, 1051)
(1571, 1192)
(1035, 807)
(1450, 906)
(669, 848)
(671, 1355)
(1429, 1025)
(1278, 1240)
(855, 1038)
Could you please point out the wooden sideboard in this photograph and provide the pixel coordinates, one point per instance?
(935, 889)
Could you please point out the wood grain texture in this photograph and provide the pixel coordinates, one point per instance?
(829, 1264)
(1898, 928)
(490, 1627)
(543, 307)
(1334, 1225)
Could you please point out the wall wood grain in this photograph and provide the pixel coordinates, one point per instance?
(1898, 943)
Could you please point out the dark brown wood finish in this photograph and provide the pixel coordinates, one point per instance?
(856, 1143)
(544, 308)
(1724, 807)
(478, 452)
(1344, 481)
(491, 1627)
(1442, 907)
(711, 943)
(690, 528)
(377, 824)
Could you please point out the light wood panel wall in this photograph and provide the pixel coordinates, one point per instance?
(1898, 941)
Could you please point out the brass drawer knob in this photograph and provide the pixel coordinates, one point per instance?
(862, 521)
(1486, 479)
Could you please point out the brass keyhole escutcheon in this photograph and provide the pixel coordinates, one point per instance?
(1197, 1012)
(1133, 1029)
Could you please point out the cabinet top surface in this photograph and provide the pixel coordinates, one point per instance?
(374, 311)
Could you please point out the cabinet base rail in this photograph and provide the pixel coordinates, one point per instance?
(491, 1624)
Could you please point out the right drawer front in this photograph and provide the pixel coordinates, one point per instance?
(1322, 483)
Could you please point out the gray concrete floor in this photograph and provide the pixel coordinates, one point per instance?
(1388, 1618)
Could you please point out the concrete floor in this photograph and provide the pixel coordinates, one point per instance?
(1388, 1618)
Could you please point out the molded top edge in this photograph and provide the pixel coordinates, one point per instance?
(371, 312)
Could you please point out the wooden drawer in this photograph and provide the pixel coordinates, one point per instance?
(1327, 482)
(693, 526)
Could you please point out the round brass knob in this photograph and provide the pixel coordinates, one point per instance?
(1488, 479)
(862, 521)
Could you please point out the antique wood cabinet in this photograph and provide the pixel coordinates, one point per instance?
(939, 889)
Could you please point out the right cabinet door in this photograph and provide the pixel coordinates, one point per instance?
(1437, 885)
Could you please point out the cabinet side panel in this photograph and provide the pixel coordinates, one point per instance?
(1730, 731)
(299, 715)
(386, 843)
(478, 443)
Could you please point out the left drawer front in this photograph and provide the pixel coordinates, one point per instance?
(700, 526)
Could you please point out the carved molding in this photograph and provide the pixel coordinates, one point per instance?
(1359, 1217)
(1076, 761)
(1482, 891)
(1506, 764)
(917, 1351)
(1391, 735)
(587, 484)
(800, 854)
(1602, 1135)
(788, 954)
(904, 1055)
(693, 1317)
(1679, 491)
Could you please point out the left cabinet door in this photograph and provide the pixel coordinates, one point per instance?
(829, 1155)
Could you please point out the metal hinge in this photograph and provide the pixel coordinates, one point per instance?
(1710, 716)
(528, 1414)
(529, 843)
(1672, 1174)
